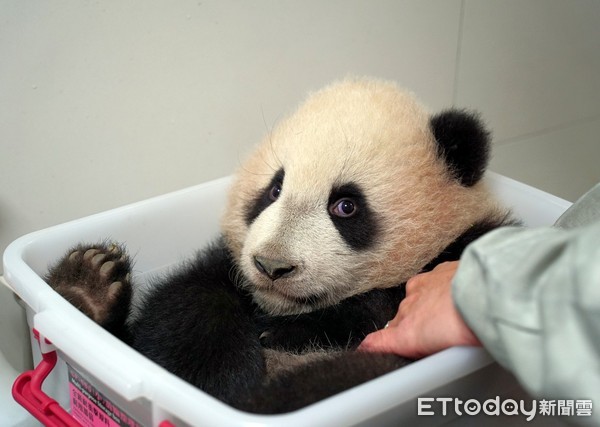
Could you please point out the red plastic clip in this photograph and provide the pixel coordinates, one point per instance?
(27, 391)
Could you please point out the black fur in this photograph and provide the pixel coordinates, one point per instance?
(263, 199)
(199, 326)
(463, 142)
(343, 325)
(359, 230)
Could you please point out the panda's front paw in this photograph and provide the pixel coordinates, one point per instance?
(96, 280)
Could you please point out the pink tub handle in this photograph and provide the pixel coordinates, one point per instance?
(27, 391)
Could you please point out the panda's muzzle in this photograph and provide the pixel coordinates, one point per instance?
(274, 268)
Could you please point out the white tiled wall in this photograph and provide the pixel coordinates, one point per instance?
(105, 103)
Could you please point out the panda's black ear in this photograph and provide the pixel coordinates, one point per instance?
(463, 142)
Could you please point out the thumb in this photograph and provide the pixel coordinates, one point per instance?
(382, 341)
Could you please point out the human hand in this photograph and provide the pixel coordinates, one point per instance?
(427, 320)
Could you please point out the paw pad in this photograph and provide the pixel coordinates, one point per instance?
(96, 279)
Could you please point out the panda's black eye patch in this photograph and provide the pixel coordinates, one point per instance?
(265, 197)
(352, 217)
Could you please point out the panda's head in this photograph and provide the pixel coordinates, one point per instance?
(359, 189)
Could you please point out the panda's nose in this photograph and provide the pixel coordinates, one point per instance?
(273, 268)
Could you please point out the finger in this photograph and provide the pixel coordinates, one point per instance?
(446, 266)
(392, 323)
(412, 282)
(403, 308)
(383, 341)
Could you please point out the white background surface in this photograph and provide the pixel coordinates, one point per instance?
(106, 103)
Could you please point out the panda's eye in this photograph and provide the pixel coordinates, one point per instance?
(343, 208)
(275, 191)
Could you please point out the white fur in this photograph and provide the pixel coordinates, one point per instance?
(361, 131)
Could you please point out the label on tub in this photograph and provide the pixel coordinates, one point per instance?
(91, 408)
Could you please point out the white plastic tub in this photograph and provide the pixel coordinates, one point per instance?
(99, 380)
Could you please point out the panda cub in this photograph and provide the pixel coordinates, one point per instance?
(340, 204)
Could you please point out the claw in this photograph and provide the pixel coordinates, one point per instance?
(90, 253)
(114, 289)
(97, 259)
(107, 268)
(264, 336)
(74, 256)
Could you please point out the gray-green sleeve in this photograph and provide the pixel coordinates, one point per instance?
(532, 297)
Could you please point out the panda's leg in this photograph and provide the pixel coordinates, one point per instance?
(97, 280)
(317, 379)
